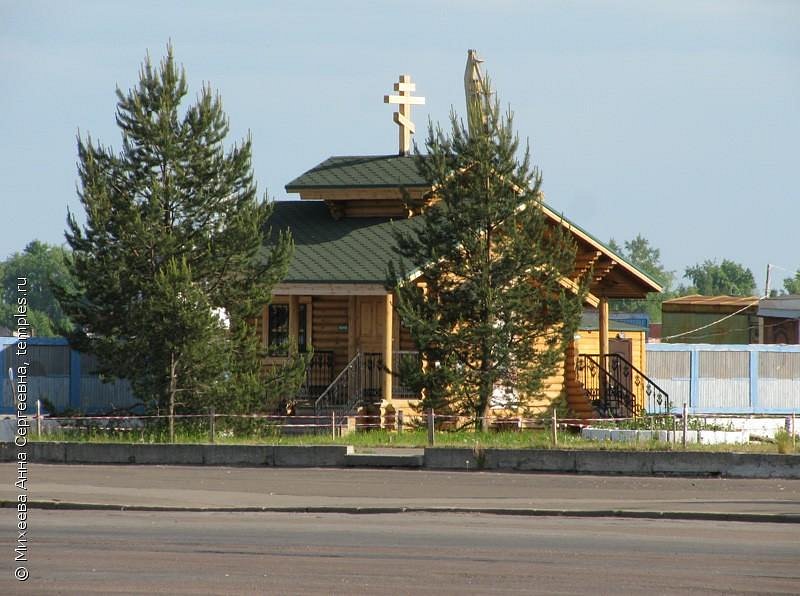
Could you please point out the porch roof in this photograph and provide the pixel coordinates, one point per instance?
(327, 250)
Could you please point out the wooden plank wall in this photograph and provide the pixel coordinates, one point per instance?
(328, 313)
(589, 343)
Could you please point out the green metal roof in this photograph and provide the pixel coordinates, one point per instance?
(360, 171)
(368, 171)
(347, 250)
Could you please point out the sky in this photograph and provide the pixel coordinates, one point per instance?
(676, 120)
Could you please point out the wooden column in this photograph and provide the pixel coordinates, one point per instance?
(388, 346)
(294, 322)
(352, 328)
(603, 327)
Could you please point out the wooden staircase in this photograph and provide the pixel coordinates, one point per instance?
(580, 406)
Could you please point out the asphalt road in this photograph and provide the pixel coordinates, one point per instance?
(213, 487)
(104, 552)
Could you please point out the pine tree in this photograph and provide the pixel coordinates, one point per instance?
(492, 317)
(174, 234)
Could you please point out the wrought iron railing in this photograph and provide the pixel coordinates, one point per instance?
(346, 391)
(319, 375)
(372, 372)
(618, 389)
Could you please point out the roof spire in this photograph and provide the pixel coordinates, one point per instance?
(403, 116)
(476, 89)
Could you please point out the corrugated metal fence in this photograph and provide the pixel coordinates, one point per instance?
(728, 378)
(63, 376)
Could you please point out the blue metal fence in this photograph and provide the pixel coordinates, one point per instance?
(61, 375)
(735, 378)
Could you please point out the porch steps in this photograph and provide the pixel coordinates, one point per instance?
(388, 458)
(578, 402)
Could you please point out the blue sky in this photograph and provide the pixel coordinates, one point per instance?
(675, 120)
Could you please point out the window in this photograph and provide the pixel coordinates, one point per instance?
(288, 326)
(278, 330)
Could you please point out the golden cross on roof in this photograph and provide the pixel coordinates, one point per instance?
(403, 116)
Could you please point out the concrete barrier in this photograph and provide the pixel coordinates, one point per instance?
(37, 452)
(96, 453)
(310, 456)
(238, 455)
(630, 463)
(530, 460)
(181, 455)
(168, 455)
(633, 463)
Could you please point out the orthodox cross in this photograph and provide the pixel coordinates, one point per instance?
(403, 116)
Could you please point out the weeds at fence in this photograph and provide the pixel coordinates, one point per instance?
(367, 433)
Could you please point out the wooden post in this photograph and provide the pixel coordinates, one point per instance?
(39, 419)
(602, 323)
(603, 327)
(294, 322)
(685, 423)
(431, 427)
(555, 428)
(388, 360)
(400, 421)
(794, 431)
(211, 425)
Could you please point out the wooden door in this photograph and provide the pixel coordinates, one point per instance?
(370, 319)
(371, 326)
(621, 371)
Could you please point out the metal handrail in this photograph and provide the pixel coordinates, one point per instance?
(612, 394)
(335, 382)
(651, 386)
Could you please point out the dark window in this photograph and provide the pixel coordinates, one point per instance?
(302, 328)
(278, 331)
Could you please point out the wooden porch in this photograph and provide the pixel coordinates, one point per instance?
(353, 330)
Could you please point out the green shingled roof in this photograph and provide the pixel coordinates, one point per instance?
(360, 171)
(362, 246)
(348, 250)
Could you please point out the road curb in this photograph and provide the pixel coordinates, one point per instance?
(613, 513)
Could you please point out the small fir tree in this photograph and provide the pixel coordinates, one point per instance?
(487, 307)
(174, 236)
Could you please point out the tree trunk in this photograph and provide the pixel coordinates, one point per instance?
(485, 419)
(172, 390)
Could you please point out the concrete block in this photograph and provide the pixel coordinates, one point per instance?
(98, 453)
(530, 460)
(8, 452)
(688, 463)
(762, 465)
(450, 458)
(50, 453)
(377, 460)
(175, 455)
(613, 462)
(238, 455)
(310, 456)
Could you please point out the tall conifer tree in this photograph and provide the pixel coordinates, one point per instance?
(492, 317)
(173, 236)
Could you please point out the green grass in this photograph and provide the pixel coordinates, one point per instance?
(366, 440)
